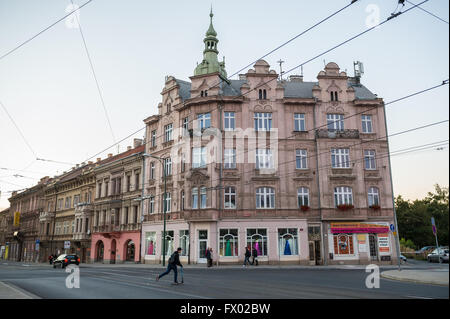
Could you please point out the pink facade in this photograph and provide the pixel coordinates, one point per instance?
(115, 247)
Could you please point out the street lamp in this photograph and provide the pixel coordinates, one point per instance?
(165, 203)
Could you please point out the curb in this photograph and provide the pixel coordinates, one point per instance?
(416, 281)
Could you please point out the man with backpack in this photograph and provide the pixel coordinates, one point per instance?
(174, 260)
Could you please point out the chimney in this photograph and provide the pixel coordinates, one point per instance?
(109, 155)
(296, 78)
(128, 148)
(90, 162)
(137, 142)
(99, 159)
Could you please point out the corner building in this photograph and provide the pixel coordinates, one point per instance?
(275, 165)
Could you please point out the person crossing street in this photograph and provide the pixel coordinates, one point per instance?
(172, 264)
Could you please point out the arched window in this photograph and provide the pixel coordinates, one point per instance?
(288, 241)
(194, 198)
(303, 197)
(265, 197)
(228, 242)
(260, 94)
(182, 200)
(335, 95)
(201, 93)
(373, 197)
(331, 96)
(206, 92)
(203, 197)
(264, 94)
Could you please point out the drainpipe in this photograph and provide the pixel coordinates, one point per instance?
(142, 202)
(220, 174)
(54, 219)
(324, 242)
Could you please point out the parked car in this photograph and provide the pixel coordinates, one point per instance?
(440, 253)
(66, 259)
(402, 258)
(425, 249)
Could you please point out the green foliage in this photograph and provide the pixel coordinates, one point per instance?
(414, 219)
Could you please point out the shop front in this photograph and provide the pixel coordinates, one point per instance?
(360, 243)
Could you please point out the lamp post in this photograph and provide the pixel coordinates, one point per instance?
(164, 205)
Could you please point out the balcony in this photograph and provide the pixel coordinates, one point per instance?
(325, 133)
(269, 213)
(46, 217)
(201, 215)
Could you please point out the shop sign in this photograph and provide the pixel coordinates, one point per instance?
(16, 219)
(359, 228)
(383, 243)
(362, 247)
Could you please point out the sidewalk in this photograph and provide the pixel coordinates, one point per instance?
(420, 276)
(8, 291)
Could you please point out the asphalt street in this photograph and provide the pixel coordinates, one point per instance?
(124, 282)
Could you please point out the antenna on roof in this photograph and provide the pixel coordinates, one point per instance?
(358, 69)
(301, 70)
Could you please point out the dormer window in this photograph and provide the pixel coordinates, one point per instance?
(204, 93)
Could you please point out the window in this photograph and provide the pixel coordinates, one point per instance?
(373, 197)
(288, 241)
(76, 200)
(203, 197)
(195, 198)
(264, 159)
(106, 189)
(230, 158)
(229, 121)
(230, 198)
(186, 123)
(343, 195)
(301, 159)
(73, 226)
(263, 121)
(168, 203)
(335, 122)
(303, 196)
(154, 138)
(135, 214)
(118, 185)
(343, 244)
(169, 242)
(150, 243)
(151, 205)
(299, 122)
(228, 242)
(334, 96)
(68, 202)
(184, 242)
(152, 170)
(204, 120)
(168, 166)
(262, 94)
(60, 203)
(168, 133)
(366, 123)
(183, 163)
(265, 197)
(128, 183)
(126, 217)
(257, 239)
(340, 158)
(182, 200)
(136, 176)
(369, 159)
(198, 157)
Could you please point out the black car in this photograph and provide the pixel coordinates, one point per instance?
(66, 259)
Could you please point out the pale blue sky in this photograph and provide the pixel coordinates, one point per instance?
(48, 88)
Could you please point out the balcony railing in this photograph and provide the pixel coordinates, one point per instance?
(325, 133)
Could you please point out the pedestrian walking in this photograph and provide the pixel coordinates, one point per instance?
(208, 257)
(247, 257)
(255, 256)
(172, 264)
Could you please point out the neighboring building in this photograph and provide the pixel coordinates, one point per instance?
(66, 220)
(297, 181)
(25, 208)
(5, 228)
(116, 234)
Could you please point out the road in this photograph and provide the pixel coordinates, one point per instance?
(138, 282)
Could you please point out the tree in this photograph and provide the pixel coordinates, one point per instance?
(414, 218)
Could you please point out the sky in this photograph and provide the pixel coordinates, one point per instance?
(49, 91)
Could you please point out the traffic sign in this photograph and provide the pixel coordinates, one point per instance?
(392, 227)
(66, 244)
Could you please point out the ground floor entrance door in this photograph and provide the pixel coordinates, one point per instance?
(373, 247)
(202, 245)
